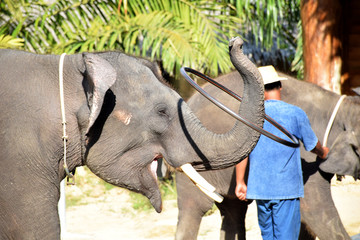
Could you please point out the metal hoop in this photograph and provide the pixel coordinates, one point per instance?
(295, 143)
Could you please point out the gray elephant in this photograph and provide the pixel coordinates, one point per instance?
(319, 215)
(120, 118)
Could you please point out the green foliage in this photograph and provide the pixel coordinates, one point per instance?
(179, 33)
(297, 63)
(7, 41)
(191, 33)
(267, 19)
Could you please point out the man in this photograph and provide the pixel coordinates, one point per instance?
(275, 175)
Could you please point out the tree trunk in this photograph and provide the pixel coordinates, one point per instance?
(321, 23)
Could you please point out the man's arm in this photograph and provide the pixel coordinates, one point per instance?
(241, 188)
(320, 151)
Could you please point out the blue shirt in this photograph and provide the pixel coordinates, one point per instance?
(275, 169)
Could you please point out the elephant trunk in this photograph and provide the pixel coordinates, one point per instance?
(217, 151)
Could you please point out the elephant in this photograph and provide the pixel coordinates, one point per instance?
(318, 212)
(119, 117)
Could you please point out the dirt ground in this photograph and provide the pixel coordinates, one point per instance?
(112, 218)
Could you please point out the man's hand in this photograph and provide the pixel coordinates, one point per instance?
(320, 151)
(240, 191)
(241, 188)
(325, 152)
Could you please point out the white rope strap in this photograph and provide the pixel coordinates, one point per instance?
(63, 118)
(332, 118)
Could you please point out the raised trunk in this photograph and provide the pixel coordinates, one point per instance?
(224, 150)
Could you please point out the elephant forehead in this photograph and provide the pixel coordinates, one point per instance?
(123, 116)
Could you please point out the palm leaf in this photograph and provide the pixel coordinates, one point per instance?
(7, 41)
(177, 32)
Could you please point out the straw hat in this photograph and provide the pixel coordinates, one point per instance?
(269, 74)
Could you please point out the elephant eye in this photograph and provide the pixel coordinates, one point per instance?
(162, 110)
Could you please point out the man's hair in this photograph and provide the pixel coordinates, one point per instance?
(272, 86)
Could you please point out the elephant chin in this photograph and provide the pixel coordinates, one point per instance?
(150, 186)
(156, 201)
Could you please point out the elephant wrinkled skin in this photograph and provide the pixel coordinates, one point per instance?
(319, 215)
(121, 118)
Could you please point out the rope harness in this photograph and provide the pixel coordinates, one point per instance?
(63, 118)
(332, 118)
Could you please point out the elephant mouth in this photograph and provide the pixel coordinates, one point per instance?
(149, 182)
(154, 165)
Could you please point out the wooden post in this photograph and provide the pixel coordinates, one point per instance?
(322, 45)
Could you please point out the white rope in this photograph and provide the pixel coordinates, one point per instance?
(332, 118)
(62, 105)
(61, 87)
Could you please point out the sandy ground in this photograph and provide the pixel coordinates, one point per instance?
(112, 217)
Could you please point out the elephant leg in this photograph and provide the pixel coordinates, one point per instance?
(306, 233)
(192, 205)
(20, 221)
(233, 213)
(318, 210)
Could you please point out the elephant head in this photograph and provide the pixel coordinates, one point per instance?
(344, 156)
(132, 118)
(344, 135)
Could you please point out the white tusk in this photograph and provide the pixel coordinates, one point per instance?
(200, 182)
(153, 168)
(196, 177)
(214, 195)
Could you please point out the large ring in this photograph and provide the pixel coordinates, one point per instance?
(294, 141)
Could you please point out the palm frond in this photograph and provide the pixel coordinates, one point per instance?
(268, 19)
(177, 32)
(7, 41)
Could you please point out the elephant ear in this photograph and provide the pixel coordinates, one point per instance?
(100, 77)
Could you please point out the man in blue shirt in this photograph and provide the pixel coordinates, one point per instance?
(275, 176)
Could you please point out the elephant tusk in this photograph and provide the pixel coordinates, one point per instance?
(153, 168)
(200, 182)
(196, 177)
(214, 195)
